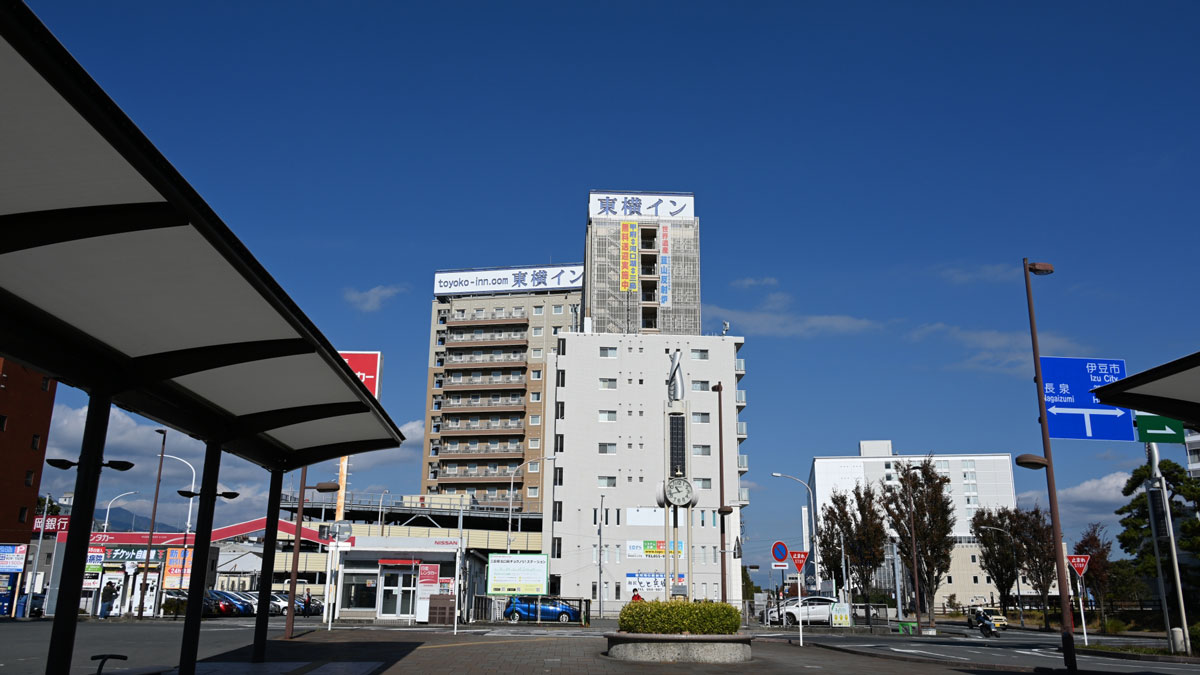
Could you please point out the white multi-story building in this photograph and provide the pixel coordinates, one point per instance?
(1192, 446)
(977, 480)
(607, 409)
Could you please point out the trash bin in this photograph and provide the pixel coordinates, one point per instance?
(21, 602)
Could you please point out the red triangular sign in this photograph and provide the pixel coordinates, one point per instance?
(798, 559)
(1079, 562)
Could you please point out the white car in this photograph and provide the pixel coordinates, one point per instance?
(815, 609)
(772, 613)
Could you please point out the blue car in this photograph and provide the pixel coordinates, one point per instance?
(244, 608)
(525, 608)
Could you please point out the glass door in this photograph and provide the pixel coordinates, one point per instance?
(389, 582)
(408, 594)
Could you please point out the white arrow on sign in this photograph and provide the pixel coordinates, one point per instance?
(1165, 430)
(1087, 415)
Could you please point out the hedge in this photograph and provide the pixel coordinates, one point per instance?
(680, 616)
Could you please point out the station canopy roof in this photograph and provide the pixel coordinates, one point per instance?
(116, 277)
(1170, 390)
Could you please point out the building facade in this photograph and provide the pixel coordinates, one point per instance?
(977, 481)
(491, 334)
(26, 404)
(608, 454)
(643, 263)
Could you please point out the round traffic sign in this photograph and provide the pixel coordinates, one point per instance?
(779, 551)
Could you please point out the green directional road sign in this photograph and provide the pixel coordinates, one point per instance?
(1156, 429)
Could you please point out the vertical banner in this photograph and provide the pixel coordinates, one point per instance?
(633, 257)
(664, 267)
(624, 286)
(427, 585)
(93, 568)
(179, 568)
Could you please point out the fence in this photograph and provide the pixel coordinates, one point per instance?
(537, 609)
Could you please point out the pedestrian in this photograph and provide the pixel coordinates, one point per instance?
(307, 603)
(106, 599)
(637, 597)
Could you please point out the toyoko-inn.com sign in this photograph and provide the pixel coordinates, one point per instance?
(508, 280)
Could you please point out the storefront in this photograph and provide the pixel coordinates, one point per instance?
(395, 579)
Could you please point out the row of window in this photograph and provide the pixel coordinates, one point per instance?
(479, 312)
(494, 493)
(611, 353)
(611, 416)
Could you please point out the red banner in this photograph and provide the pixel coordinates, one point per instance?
(53, 523)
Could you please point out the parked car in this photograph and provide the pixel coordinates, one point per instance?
(279, 602)
(771, 614)
(38, 601)
(815, 609)
(218, 604)
(240, 606)
(525, 608)
(993, 613)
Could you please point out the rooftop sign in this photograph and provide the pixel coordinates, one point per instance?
(641, 205)
(508, 280)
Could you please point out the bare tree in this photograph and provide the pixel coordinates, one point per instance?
(835, 529)
(1095, 542)
(997, 554)
(919, 504)
(865, 547)
(1035, 537)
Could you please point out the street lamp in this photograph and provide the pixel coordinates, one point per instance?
(725, 509)
(326, 486)
(110, 503)
(381, 494)
(1047, 462)
(188, 527)
(1020, 606)
(511, 477)
(811, 510)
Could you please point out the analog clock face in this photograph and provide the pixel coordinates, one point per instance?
(679, 491)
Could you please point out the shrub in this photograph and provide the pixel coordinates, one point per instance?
(1115, 626)
(175, 606)
(680, 616)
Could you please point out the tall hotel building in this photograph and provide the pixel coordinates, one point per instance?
(491, 333)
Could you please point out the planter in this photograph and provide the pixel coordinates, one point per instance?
(659, 648)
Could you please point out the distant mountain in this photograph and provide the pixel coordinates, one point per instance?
(123, 520)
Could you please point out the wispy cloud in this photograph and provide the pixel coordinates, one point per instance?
(1091, 501)
(1006, 352)
(751, 282)
(372, 300)
(773, 318)
(992, 274)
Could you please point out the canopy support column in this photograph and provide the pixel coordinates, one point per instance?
(267, 575)
(87, 482)
(200, 554)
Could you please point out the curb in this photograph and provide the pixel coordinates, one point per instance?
(1132, 656)
(916, 659)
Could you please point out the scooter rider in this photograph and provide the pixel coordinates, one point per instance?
(987, 628)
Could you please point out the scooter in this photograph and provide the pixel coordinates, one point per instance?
(988, 629)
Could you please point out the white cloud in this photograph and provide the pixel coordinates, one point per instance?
(371, 300)
(980, 273)
(1007, 352)
(772, 318)
(1091, 501)
(751, 282)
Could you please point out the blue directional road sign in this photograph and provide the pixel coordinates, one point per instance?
(1072, 410)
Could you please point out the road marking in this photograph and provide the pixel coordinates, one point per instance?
(1037, 653)
(481, 644)
(931, 653)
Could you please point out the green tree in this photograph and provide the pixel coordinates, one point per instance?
(835, 530)
(1125, 584)
(997, 550)
(1035, 538)
(1096, 543)
(749, 588)
(919, 504)
(1183, 494)
(865, 546)
(41, 507)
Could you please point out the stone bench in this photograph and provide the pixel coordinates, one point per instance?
(660, 648)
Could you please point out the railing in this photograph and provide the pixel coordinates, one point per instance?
(481, 473)
(744, 495)
(649, 271)
(741, 397)
(741, 429)
(739, 365)
(447, 405)
(484, 316)
(487, 358)
(468, 381)
(483, 426)
(480, 450)
(483, 337)
(743, 463)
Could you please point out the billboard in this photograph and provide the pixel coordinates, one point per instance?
(518, 574)
(664, 266)
(652, 548)
(629, 256)
(12, 557)
(93, 568)
(644, 205)
(53, 523)
(179, 568)
(648, 582)
(367, 365)
(508, 279)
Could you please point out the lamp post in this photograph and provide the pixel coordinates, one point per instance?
(812, 511)
(188, 527)
(381, 494)
(153, 515)
(36, 557)
(1046, 461)
(1020, 607)
(326, 486)
(511, 478)
(108, 510)
(724, 509)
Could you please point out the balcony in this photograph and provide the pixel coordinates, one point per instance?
(485, 339)
(482, 428)
(502, 404)
(739, 366)
(744, 496)
(480, 476)
(741, 398)
(509, 382)
(469, 360)
(743, 463)
(741, 430)
(482, 451)
(489, 319)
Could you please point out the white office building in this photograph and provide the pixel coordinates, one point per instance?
(607, 409)
(977, 480)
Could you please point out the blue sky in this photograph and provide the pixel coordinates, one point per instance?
(868, 178)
